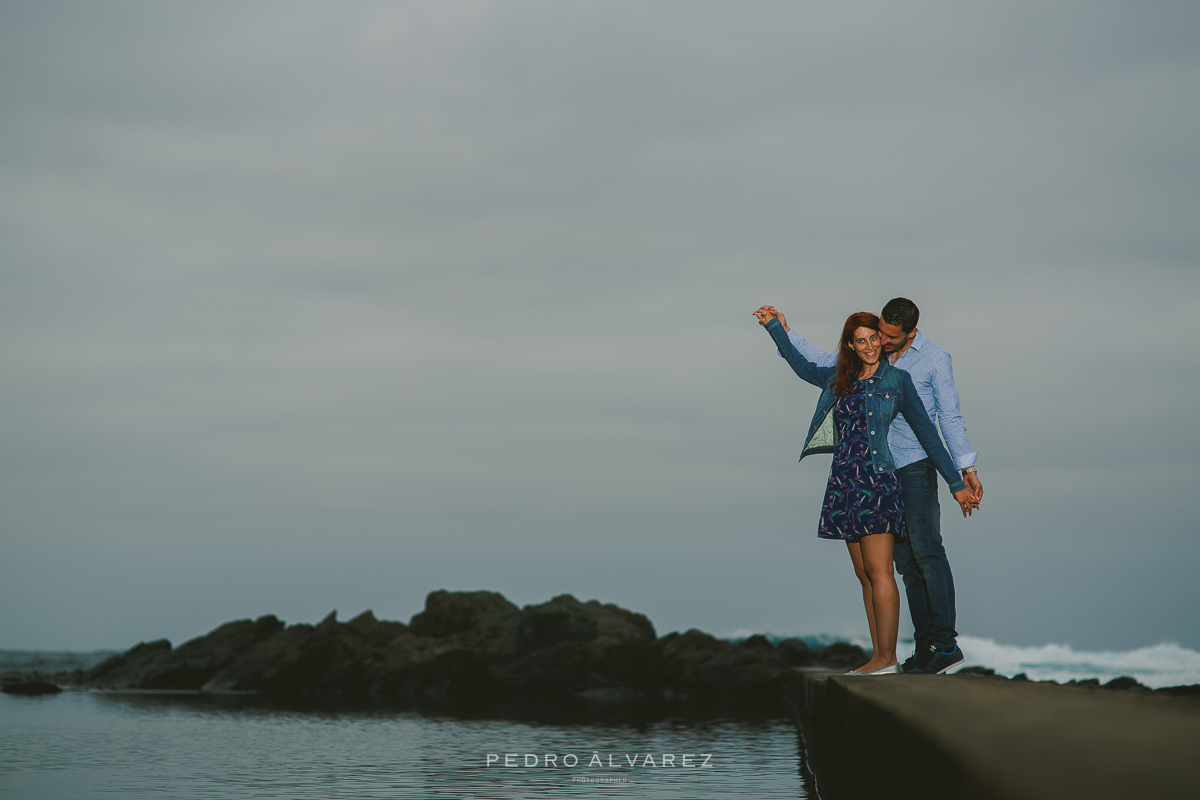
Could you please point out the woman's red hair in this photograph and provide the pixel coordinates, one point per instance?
(849, 363)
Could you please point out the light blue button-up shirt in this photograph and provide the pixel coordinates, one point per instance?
(931, 371)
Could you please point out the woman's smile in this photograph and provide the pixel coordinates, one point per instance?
(867, 343)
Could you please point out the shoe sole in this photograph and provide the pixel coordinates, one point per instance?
(942, 671)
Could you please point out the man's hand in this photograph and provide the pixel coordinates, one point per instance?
(966, 501)
(972, 481)
(766, 313)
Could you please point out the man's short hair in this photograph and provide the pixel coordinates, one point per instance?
(903, 312)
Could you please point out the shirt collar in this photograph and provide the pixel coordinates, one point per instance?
(917, 341)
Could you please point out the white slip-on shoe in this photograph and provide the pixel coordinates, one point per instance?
(890, 669)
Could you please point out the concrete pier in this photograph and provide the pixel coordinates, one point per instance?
(976, 737)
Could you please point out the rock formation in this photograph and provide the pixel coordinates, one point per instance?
(468, 647)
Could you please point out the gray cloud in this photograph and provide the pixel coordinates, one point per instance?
(309, 306)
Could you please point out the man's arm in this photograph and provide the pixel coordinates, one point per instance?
(810, 350)
(806, 348)
(945, 404)
(918, 419)
(808, 371)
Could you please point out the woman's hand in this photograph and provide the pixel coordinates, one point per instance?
(966, 501)
(766, 313)
(972, 481)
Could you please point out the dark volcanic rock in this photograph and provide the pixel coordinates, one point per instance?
(28, 684)
(796, 653)
(695, 666)
(842, 655)
(125, 670)
(1191, 691)
(287, 662)
(472, 647)
(448, 613)
(155, 665)
(756, 642)
(565, 647)
(376, 632)
(742, 674)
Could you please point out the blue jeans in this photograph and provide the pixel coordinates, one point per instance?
(921, 558)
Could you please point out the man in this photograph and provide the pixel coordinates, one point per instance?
(921, 558)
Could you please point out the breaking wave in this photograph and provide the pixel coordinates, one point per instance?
(1165, 664)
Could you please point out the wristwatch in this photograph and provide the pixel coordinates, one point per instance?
(969, 470)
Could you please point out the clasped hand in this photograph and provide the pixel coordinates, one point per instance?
(967, 500)
(767, 313)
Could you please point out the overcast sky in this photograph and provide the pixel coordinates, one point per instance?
(325, 306)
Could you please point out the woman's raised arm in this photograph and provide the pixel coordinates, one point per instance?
(807, 370)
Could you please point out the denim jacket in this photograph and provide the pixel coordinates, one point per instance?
(890, 391)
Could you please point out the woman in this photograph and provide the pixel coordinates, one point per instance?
(862, 394)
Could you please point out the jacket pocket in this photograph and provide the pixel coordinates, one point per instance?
(885, 403)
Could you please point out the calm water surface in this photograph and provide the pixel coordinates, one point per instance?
(88, 745)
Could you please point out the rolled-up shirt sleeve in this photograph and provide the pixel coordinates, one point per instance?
(950, 420)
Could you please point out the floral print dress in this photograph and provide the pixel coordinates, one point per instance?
(857, 500)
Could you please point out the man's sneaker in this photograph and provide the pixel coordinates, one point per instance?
(938, 660)
(920, 655)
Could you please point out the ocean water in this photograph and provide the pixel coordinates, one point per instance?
(84, 745)
(1159, 665)
(99, 745)
(51, 660)
(1165, 664)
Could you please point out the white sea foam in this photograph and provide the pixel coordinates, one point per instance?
(1165, 664)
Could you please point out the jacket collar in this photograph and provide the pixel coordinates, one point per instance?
(883, 368)
(880, 371)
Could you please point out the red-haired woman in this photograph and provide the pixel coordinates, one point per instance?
(862, 394)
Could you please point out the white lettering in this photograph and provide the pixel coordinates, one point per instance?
(707, 756)
(687, 759)
(529, 756)
(668, 757)
(649, 759)
(510, 759)
(631, 760)
(550, 758)
(492, 757)
(595, 762)
(571, 756)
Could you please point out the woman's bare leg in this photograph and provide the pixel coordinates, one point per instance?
(860, 572)
(876, 554)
